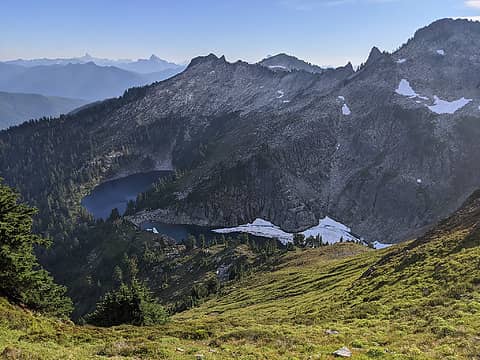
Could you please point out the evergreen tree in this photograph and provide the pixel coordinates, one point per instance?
(130, 210)
(222, 239)
(243, 238)
(202, 242)
(310, 242)
(130, 304)
(117, 275)
(299, 240)
(190, 243)
(21, 278)
(114, 215)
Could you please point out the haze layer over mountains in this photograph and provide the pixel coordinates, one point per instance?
(77, 80)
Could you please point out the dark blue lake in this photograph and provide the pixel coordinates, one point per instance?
(117, 193)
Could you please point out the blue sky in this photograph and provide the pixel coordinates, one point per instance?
(325, 32)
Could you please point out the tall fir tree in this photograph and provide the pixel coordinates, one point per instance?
(22, 280)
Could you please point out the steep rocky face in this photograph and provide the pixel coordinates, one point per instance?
(387, 150)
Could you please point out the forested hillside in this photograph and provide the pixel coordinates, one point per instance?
(16, 108)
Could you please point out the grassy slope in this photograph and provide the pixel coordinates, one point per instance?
(418, 300)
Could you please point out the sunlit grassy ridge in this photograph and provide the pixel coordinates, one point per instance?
(418, 300)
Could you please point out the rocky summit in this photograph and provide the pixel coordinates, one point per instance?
(387, 149)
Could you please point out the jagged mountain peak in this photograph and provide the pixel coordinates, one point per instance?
(210, 58)
(375, 54)
(348, 67)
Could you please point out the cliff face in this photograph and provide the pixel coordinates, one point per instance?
(388, 149)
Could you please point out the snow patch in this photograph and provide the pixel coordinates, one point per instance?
(278, 67)
(152, 230)
(419, 181)
(330, 230)
(346, 110)
(378, 245)
(286, 101)
(405, 89)
(261, 228)
(280, 94)
(441, 52)
(401, 61)
(448, 107)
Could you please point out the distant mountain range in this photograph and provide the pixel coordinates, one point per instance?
(17, 108)
(86, 81)
(49, 87)
(143, 66)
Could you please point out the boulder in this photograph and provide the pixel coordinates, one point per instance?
(343, 352)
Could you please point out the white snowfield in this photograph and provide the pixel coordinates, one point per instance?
(330, 230)
(448, 107)
(439, 106)
(405, 89)
(346, 110)
(278, 67)
(378, 245)
(261, 228)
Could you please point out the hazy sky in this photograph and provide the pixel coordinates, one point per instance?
(325, 32)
